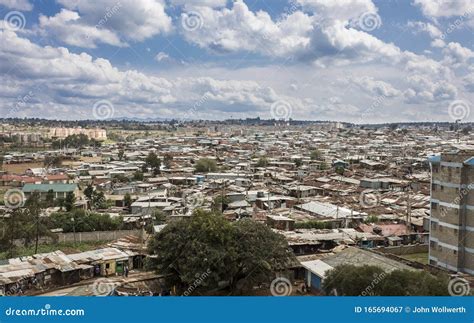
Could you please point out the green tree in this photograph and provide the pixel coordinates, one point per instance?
(79, 220)
(241, 254)
(410, 283)
(89, 191)
(340, 170)
(262, 162)
(315, 154)
(167, 159)
(205, 165)
(98, 200)
(49, 200)
(121, 154)
(350, 280)
(159, 217)
(313, 224)
(260, 253)
(53, 161)
(69, 201)
(127, 201)
(220, 203)
(33, 206)
(153, 162)
(372, 219)
(75, 141)
(138, 176)
(466, 130)
(15, 226)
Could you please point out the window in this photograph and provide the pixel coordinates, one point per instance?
(107, 266)
(434, 205)
(455, 252)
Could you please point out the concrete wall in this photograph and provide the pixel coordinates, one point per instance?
(86, 236)
(97, 235)
(404, 250)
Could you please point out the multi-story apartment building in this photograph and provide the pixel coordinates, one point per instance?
(96, 133)
(452, 210)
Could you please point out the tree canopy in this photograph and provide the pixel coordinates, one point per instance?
(236, 255)
(152, 161)
(204, 165)
(262, 162)
(75, 141)
(350, 280)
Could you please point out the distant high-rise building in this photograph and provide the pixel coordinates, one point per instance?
(96, 133)
(452, 210)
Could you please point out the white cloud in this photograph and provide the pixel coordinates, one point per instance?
(199, 3)
(438, 43)
(375, 87)
(24, 5)
(161, 56)
(132, 20)
(68, 28)
(239, 29)
(430, 29)
(338, 10)
(457, 55)
(422, 89)
(443, 8)
(75, 81)
(468, 82)
(325, 38)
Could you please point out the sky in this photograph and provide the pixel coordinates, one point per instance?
(361, 61)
